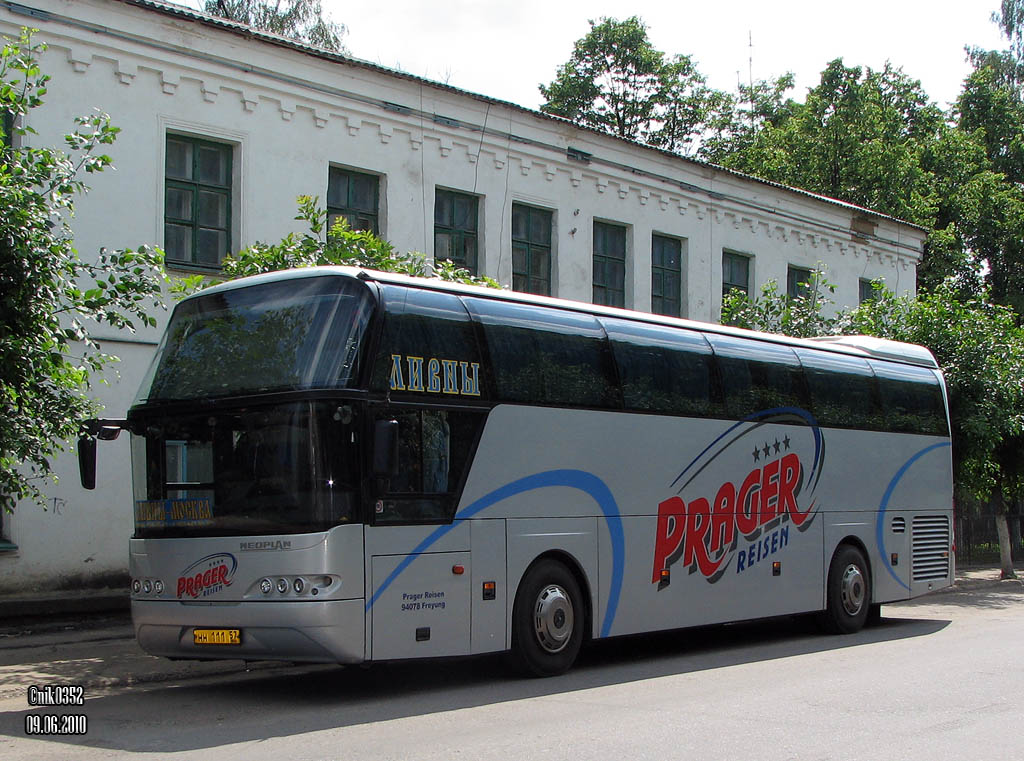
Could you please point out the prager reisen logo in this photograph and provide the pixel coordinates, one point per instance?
(207, 575)
(713, 524)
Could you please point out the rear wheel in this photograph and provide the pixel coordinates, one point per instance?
(848, 591)
(547, 620)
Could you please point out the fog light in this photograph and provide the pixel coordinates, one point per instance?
(282, 586)
(266, 586)
(298, 585)
(136, 586)
(158, 587)
(147, 586)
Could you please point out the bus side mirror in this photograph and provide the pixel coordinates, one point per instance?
(385, 448)
(93, 430)
(87, 461)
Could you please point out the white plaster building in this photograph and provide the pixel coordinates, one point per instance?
(222, 128)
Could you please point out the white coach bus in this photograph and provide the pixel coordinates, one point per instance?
(338, 465)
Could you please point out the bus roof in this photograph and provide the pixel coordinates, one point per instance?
(862, 346)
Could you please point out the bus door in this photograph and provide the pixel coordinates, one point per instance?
(419, 568)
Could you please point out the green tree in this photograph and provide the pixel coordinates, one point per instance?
(1010, 18)
(617, 82)
(980, 349)
(302, 20)
(990, 109)
(337, 245)
(51, 299)
(858, 137)
(773, 311)
(736, 124)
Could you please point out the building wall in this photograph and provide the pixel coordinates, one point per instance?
(289, 116)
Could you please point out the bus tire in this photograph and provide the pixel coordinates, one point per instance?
(547, 620)
(848, 591)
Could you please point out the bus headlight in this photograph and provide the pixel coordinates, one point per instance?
(266, 586)
(136, 586)
(158, 587)
(298, 585)
(282, 586)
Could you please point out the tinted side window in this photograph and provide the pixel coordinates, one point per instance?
(757, 376)
(434, 448)
(546, 356)
(663, 369)
(911, 399)
(842, 389)
(428, 346)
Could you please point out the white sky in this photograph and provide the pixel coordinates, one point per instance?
(504, 49)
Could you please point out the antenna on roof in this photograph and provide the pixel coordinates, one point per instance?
(750, 76)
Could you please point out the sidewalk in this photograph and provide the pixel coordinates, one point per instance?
(980, 576)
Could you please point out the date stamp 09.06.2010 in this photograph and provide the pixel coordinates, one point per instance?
(52, 696)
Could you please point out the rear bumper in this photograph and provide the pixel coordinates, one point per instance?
(316, 632)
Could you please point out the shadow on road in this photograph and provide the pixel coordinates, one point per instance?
(172, 718)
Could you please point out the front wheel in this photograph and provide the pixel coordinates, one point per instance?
(848, 591)
(547, 620)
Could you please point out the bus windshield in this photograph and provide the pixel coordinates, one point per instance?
(294, 334)
(267, 469)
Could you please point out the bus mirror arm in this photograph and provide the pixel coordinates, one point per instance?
(91, 431)
(385, 448)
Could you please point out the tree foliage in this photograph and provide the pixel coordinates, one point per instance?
(51, 299)
(302, 20)
(772, 311)
(616, 81)
(990, 109)
(734, 127)
(858, 137)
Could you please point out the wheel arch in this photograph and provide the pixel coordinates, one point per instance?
(853, 541)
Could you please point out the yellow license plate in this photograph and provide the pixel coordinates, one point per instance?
(217, 636)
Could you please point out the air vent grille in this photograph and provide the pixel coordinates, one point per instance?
(930, 547)
(899, 525)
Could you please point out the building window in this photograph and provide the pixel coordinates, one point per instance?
(531, 249)
(609, 264)
(455, 229)
(867, 291)
(354, 196)
(798, 282)
(197, 205)
(735, 273)
(666, 275)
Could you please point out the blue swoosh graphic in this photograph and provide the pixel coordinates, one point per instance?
(799, 412)
(573, 479)
(880, 523)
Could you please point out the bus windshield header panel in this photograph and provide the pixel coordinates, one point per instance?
(296, 334)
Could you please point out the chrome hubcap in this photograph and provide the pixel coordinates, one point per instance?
(553, 618)
(853, 589)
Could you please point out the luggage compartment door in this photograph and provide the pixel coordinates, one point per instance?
(424, 610)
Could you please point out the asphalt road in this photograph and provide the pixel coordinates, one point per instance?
(940, 678)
